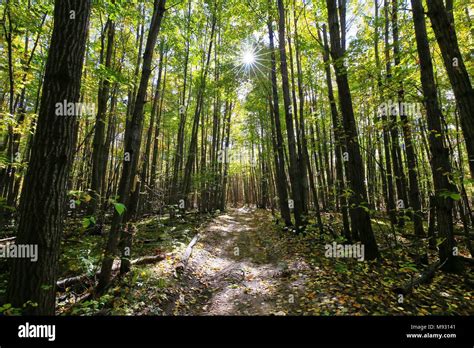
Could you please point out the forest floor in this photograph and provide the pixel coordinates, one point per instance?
(244, 264)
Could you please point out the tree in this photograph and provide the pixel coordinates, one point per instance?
(43, 198)
(338, 138)
(295, 175)
(132, 148)
(186, 187)
(440, 164)
(443, 27)
(99, 155)
(414, 190)
(278, 137)
(360, 217)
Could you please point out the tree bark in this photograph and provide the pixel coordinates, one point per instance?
(43, 198)
(338, 135)
(440, 164)
(295, 175)
(360, 217)
(446, 36)
(275, 109)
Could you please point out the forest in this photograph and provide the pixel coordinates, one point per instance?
(236, 157)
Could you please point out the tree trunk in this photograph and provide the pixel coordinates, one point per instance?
(338, 135)
(43, 198)
(280, 163)
(186, 188)
(132, 146)
(445, 34)
(360, 217)
(295, 175)
(440, 164)
(414, 190)
(226, 146)
(99, 156)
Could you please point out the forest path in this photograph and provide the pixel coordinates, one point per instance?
(244, 264)
(237, 268)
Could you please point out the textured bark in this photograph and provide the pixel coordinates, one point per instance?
(445, 34)
(440, 164)
(360, 217)
(43, 198)
(295, 175)
(338, 133)
(280, 159)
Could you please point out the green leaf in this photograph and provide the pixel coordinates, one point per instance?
(119, 207)
(6, 306)
(86, 222)
(455, 196)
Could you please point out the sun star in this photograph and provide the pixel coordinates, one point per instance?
(248, 58)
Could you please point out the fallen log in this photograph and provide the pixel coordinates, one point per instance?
(148, 259)
(6, 240)
(181, 267)
(62, 284)
(424, 278)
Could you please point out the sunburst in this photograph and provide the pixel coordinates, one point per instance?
(249, 60)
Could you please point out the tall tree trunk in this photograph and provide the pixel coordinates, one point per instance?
(394, 147)
(295, 175)
(338, 136)
(387, 124)
(226, 126)
(178, 160)
(145, 175)
(445, 34)
(414, 190)
(186, 187)
(156, 137)
(99, 156)
(131, 147)
(440, 164)
(360, 217)
(43, 198)
(275, 109)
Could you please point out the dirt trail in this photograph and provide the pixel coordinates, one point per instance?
(235, 270)
(243, 264)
